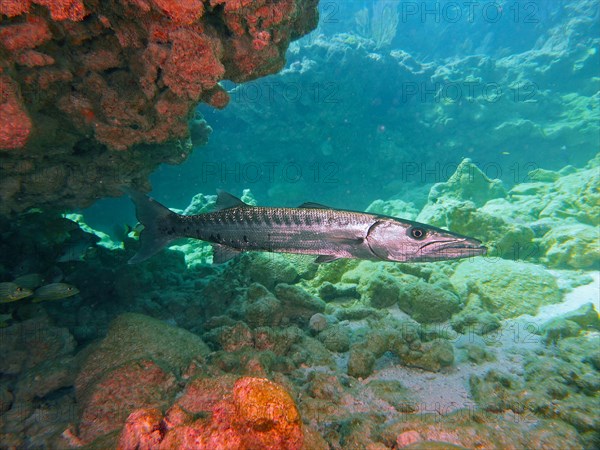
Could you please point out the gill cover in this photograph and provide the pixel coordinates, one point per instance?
(388, 240)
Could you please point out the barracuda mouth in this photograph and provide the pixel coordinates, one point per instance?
(454, 249)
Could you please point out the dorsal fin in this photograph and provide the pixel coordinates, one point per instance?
(226, 200)
(313, 205)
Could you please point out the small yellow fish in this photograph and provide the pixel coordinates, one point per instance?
(29, 281)
(11, 292)
(54, 291)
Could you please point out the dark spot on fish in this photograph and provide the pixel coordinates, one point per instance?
(218, 237)
(287, 220)
(245, 238)
(277, 219)
(297, 220)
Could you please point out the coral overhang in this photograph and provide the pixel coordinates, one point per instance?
(85, 76)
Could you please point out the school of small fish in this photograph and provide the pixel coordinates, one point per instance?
(31, 285)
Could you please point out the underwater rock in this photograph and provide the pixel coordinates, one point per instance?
(136, 383)
(405, 339)
(26, 344)
(573, 246)
(468, 183)
(142, 430)
(336, 338)
(585, 316)
(261, 307)
(235, 414)
(559, 328)
(497, 391)
(393, 393)
(380, 290)
(269, 411)
(47, 377)
(361, 362)
(135, 366)
(558, 383)
(478, 353)
(474, 318)
(269, 269)
(6, 398)
(79, 80)
(231, 338)
(467, 428)
(318, 322)
(428, 303)
(324, 386)
(298, 304)
(499, 285)
(357, 312)
(431, 356)
(329, 291)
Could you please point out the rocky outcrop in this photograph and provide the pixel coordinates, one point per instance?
(89, 89)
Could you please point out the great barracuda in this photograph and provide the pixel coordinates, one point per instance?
(310, 229)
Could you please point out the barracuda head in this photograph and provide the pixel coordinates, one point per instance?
(399, 240)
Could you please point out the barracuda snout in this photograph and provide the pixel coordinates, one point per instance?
(402, 240)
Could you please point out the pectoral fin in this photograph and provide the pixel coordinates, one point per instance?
(222, 253)
(326, 258)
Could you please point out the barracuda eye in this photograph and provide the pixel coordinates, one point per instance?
(417, 233)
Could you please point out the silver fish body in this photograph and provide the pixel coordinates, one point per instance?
(310, 229)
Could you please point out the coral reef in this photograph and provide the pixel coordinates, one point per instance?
(95, 95)
(498, 286)
(274, 351)
(135, 365)
(253, 413)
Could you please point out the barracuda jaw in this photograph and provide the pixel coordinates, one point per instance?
(450, 249)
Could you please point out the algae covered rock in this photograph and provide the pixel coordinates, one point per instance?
(427, 303)
(431, 356)
(474, 318)
(318, 322)
(329, 291)
(573, 245)
(496, 391)
(134, 366)
(394, 393)
(269, 269)
(559, 328)
(468, 183)
(507, 288)
(586, 316)
(299, 305)
(380, 290)
(361, 362)
(261, 307)
(335, 338)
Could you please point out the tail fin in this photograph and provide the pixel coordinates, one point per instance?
(150, 213)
